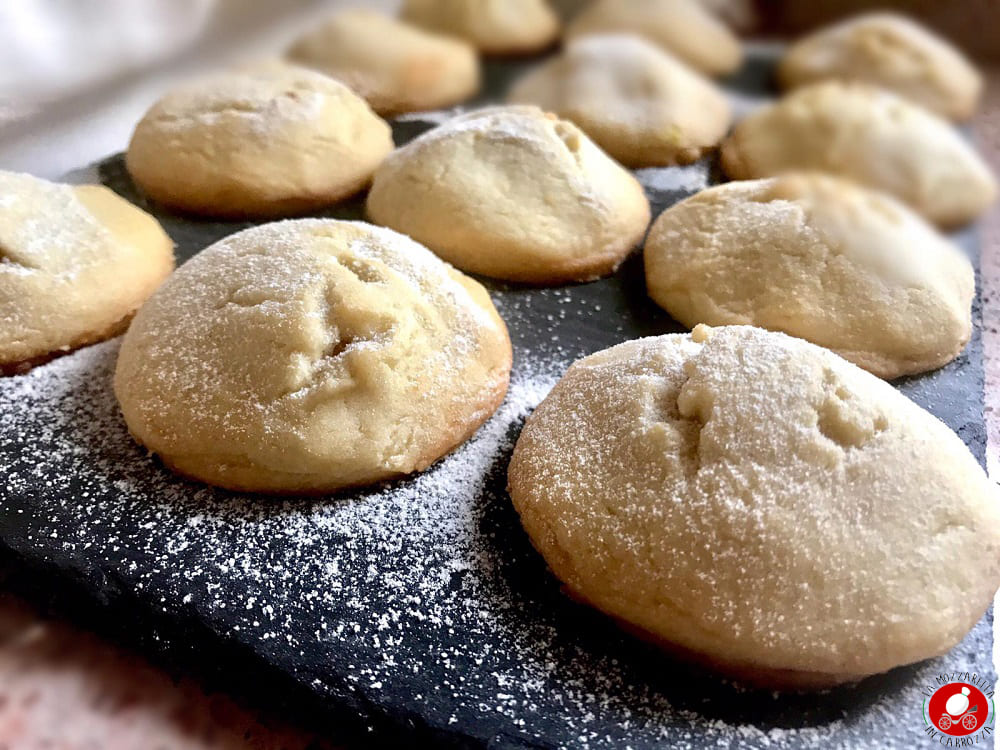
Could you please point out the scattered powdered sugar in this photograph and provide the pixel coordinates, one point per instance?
(423, 593)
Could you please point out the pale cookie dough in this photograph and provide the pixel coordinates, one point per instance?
(396, 67)
(871, 136)
(819, 258)
(267, 140)
(685, 28)
(891, 51)
(760, 505)
(638, 103)
(513, 193)
(75, 263)
(307, 356)
(495, 27)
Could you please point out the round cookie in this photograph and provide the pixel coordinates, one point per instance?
(758, 504)
(268, 140)
(311, 355)
(494, 27)
(637, 102)
(75, 264)
(684, 28)
(890, 51)
(871, 136)
(513, 193)
(819, 258)
(396, 67)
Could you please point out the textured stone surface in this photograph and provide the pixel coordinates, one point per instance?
(62, 687)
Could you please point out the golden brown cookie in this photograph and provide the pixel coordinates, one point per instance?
(820, 258)
(75, 264)
(684, 28)
(395, 66)
(638, 103)
(890, 51)
(760, 505)
(263, 141)
(514, 193)
(871, 136)
(307, 356)
(494, 27)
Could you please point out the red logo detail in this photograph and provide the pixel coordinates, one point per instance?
(958, 709)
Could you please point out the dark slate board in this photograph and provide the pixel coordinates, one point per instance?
(419, 607)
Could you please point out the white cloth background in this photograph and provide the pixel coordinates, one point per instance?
(52, 48)
(76, 75)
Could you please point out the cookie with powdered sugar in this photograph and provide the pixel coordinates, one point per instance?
(311, 355)
(639, 103)
(684, 28)
(820, 258)
(514, 193)
(868, 135)
(267, 140)
(395, 66)
(891, 51)
(758, 504)
(75, 263)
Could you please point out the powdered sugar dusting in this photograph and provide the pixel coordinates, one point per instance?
(263, 99)
(44, 228)
(379, 579)
(422, 599)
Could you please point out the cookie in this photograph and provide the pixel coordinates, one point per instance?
(684, 28)
(311, 355)
(494, 27)
(513, 193)
(871, 136)
(638, 103)
(396, 67)
(890, 51)
(755, 503)
(820, 258)
(263, 141)
(75, 264)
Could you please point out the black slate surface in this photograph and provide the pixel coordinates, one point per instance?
(419, 606)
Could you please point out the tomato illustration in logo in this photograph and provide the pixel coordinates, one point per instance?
(958, 709)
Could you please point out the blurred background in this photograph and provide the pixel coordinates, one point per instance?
(76, 76)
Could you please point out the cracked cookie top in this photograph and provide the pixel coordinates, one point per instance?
(311, 355)
(759, 504)
(515, 193)
(272, 139)
(817, 257)
(638, 102)
(75, 263)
